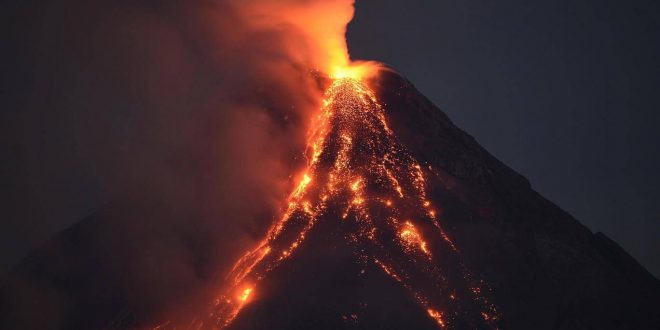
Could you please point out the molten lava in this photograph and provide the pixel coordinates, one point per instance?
(357, 168)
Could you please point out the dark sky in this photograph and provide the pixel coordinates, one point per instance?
(565, 92)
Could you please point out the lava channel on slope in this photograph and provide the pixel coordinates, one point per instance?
(357, 166)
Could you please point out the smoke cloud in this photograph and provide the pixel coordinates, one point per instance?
(176, 124)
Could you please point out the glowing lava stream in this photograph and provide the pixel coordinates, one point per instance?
(357, 166)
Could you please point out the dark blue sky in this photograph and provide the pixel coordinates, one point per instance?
(565, 92)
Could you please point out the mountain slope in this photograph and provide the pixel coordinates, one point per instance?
(547, 270)
(541, 269)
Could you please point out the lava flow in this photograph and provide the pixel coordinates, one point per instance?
(359, 170)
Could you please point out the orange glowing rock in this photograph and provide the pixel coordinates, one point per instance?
(411, 237)
(356, 185)
(353, 150)
(437, 316)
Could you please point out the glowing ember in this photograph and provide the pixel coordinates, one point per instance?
(245, 294)
(356, 163)
(436, 316)
(411, 238)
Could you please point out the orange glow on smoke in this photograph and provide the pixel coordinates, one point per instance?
(319, 27)
(355, 70)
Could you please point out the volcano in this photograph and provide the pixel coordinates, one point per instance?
(364, 188)
(400, 221)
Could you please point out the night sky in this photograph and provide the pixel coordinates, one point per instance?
(565, 92)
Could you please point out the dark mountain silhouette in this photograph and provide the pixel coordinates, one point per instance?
(502, 256)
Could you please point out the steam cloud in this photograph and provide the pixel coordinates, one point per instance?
(185, 118)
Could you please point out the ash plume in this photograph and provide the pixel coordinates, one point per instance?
(181, 120)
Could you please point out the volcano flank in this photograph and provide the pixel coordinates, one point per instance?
(400, 220)
(370, 192)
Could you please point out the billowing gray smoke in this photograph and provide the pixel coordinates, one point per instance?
(176, 124)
